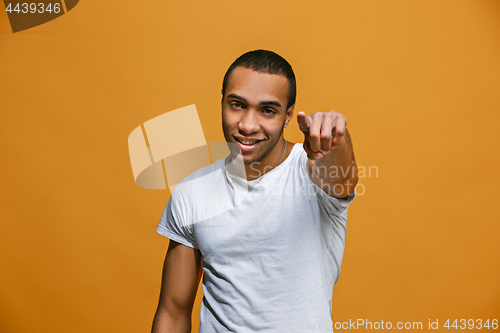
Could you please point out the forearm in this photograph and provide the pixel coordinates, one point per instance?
(336, 172)
(164, 322)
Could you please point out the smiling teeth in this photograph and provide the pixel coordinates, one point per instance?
(247, 142)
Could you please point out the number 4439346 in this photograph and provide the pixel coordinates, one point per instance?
(33, 8)
(471, 324)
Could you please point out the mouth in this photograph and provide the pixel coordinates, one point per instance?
(245, 144)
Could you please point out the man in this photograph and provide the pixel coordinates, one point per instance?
(266, 225)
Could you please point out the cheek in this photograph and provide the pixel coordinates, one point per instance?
(227, 122)
(274, 129)
(230, 120)
(226, 119)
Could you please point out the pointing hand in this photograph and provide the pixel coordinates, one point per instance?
(323, 132)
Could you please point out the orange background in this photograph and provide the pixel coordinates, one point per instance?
(418, 81)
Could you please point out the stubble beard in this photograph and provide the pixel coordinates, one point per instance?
(257, 158)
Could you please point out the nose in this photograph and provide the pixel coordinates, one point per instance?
(248, 123)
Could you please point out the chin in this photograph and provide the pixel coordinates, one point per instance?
(250, 161)
(255, 158)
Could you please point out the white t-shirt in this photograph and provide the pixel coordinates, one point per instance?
(271, 248)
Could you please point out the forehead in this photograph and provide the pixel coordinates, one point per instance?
(257, 86)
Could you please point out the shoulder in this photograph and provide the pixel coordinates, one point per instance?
(200, 180)
(298, 157)
(298, 151)
(201, 174)
(202, 195)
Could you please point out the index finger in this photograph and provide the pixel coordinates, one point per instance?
(304, 122)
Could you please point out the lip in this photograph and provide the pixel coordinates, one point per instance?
(247, 148)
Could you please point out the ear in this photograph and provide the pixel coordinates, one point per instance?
(289, 114)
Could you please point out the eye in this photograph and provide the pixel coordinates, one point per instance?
(269, 111)
(237, 105)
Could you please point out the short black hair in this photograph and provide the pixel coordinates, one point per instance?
(264, 61)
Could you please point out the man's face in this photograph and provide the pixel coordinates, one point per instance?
(254, 114)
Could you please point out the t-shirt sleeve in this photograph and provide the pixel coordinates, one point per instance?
(174, 226)
(335, 207)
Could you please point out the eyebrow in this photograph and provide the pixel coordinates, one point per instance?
(270, 102)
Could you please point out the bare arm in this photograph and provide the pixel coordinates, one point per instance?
(331, 163)
(181, 276)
